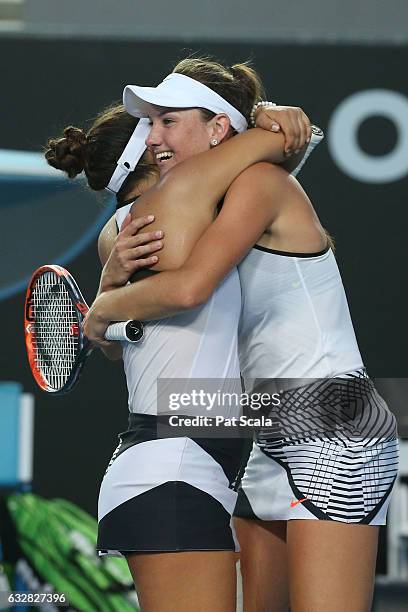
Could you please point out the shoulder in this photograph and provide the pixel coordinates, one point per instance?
(106, 239)
(257, 193)
(262, 182)
(263, 176)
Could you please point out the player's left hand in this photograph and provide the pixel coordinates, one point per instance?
(291, 120)
(94, 327)
(131, 252)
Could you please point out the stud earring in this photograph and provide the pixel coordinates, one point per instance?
(214, 142)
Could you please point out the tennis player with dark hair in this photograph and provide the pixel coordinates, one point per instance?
(318, 485)
(167, 503)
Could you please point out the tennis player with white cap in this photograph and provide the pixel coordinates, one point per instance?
(193, 563)
(191, 476)
(181, 91)
(299, 492)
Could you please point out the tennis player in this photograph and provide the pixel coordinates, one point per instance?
(317, 486)
(167, 503)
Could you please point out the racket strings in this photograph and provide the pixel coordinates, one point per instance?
(56, 329)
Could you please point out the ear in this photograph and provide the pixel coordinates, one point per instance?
(219, 127)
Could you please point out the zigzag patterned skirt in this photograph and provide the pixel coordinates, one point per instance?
(344, 470)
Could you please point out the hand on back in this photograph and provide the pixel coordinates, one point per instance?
(131, 252)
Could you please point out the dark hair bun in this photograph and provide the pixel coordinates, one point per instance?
(69, 152)
(97, 151)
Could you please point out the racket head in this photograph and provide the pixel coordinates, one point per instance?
(53, 315)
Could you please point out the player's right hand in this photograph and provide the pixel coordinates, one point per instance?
(290, 120)
(131, 252)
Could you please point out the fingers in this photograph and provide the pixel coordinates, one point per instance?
(138, 264)
(302, 134)
(135, 252)
(275, 119)
(133, 257)
(297, 130)
(132, 226)
(267, 119)
(290, 128)
(131, 260)
(144, 238)
(292, 121)
(306, 128)
(127, 267)
(308, 125)
(92, 334)
(139, 245)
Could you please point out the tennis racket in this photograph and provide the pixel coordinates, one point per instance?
(56, 346)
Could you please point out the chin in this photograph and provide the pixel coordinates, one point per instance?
(164, 170)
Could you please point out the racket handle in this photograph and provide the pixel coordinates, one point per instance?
(316, 138)
(126, 331)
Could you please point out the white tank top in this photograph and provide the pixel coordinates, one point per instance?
(200, 343)
(295, 320)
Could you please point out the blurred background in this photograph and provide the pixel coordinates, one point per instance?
(344, 62)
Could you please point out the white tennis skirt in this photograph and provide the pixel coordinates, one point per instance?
(167, 495)
(344, 474)
(319, 480)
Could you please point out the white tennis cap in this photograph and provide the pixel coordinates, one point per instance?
(180, 91)
(130, 157)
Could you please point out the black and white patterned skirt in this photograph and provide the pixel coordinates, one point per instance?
(332, 454)
(167, 495)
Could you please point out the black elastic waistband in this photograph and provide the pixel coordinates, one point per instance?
(144, 427)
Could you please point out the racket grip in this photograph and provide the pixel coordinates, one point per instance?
(316, 138)
(126, 331)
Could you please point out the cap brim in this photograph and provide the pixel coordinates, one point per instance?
(138, 100)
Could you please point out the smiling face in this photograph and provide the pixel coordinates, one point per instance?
(178, 134)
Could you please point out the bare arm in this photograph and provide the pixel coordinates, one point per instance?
(112, 350)
(195, 186)
(210, 174)
(106, 240)
(217, 169)
(250, 206)
(140, 246)
(190, 180)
